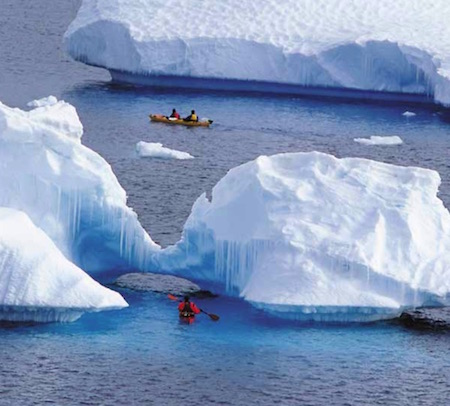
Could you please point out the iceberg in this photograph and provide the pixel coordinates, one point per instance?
(312, 237)
(348, 48)
(380, 140)
(301, 235)
(68, 190)
(37, 283)
(156, 150)
(62, 212)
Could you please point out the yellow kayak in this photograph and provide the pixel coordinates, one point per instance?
(159, 118)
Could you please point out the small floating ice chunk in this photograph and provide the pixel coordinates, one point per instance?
(409, 114)
(378, 140)
(156, 150)
(45, 101)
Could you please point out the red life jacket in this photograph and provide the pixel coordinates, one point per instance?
(186, 310)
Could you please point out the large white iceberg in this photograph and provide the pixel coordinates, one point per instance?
(321, 238)
(386, 49)
(37, 283)
(61, 209)
(68, 190)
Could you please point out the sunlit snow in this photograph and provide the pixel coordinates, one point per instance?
(396, 48)
(310, 236)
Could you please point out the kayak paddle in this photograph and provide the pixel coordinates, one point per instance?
(213, 317)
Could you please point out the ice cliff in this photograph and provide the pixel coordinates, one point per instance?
(61, 209)
(37, 283)
(399, 48)
(67, 189)
(314, 237)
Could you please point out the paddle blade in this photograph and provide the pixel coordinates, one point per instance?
(214, 317)
(172, 297)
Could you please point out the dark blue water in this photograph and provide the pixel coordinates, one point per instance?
(142, 355)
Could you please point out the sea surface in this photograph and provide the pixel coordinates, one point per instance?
(142, 355)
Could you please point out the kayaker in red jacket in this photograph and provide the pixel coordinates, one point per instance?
(188, 309)
(175, 114)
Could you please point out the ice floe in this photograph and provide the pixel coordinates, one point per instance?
(380, 140)
(156, 150)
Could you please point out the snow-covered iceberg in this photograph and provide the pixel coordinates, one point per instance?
(156, 150)
(68, 190)
(314, 237)
(376, 49)
(61, 209)
(37, 283)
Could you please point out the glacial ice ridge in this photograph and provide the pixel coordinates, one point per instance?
(357, 48)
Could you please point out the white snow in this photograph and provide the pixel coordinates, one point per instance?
(314, 237)
(305, 235)
(409, 114)
(68, 190)
(37, 282)
(379, 140)
(61, 210)
(45, 101)
(156, 150)
(401, 46)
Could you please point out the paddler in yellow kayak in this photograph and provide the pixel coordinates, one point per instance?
(191, 117)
